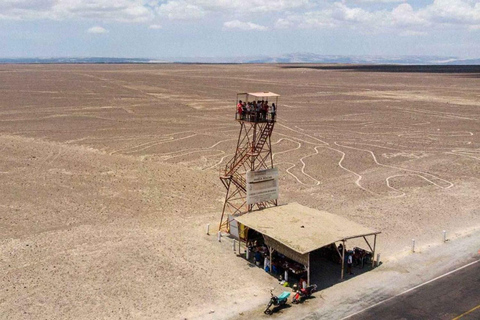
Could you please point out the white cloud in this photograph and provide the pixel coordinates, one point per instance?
(443, 13)
(155, 26)
(454, 11)
(283, 23)
(97, 30)
(196, 9)
(26, 4)
(341, 12)
(236, 24)
(376, 1)
(404, 15)
(339, 15)
(118, 10)
(26, 9)
(358, 15)
(139, 10)
(181, 10)
(403, 19)
(243, 6)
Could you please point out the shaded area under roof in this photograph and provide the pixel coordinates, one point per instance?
(303, 229)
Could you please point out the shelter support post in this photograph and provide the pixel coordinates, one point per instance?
(343, 260)
(270, 250)
(373, 253)
(308, 270)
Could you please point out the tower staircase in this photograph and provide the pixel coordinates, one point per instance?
(253, 153)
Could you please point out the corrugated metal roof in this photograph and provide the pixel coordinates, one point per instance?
(301, 228)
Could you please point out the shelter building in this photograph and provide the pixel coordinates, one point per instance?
(296, 231)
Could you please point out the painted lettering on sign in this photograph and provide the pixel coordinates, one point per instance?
(262, 186)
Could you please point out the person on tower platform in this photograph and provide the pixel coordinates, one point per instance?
(259, 110)
(249, 111)
(265, 110)
(273, 111)
(239, 110)
(244, 110)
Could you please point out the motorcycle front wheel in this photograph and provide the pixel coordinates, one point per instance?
(267, 310)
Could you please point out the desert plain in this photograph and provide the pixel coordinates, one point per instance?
(109, 175)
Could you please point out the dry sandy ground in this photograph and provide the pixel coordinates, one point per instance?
(110, 173)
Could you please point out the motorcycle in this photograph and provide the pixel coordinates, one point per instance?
(303, 294)
(279, 301)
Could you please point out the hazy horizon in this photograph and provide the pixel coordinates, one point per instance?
(230, 56)
(303, 58)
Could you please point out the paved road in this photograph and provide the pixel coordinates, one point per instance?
(455, 296)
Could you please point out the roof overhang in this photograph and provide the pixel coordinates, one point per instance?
(260, 94)
(303, 229)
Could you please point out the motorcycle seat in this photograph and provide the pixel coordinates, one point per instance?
(284, 295)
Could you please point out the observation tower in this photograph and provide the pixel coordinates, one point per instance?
(249, 177)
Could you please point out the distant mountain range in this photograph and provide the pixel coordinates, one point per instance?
(316, 58)
(287, 58)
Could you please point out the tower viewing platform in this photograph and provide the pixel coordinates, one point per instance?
(256, 107)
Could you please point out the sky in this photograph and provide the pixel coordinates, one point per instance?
(236, 28)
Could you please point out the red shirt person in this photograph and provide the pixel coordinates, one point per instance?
(239, 109)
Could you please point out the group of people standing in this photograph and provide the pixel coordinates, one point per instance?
(256, 111)
(357, 256)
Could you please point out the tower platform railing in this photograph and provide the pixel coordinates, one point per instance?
(255, 116)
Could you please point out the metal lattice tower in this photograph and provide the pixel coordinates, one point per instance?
(253, 153)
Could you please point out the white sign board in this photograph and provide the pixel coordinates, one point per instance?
(262, 185)
(233, 228)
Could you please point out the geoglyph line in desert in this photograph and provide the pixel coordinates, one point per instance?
(327, 145)
(450, 184)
